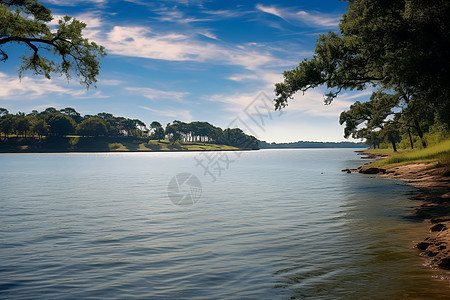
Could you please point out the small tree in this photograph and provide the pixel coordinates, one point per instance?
(22, 125)
(61, 125)
(92, 127)
(41, 128)
(159, 133)
(7, 125)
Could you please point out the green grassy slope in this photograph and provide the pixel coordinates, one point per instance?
(439, 153)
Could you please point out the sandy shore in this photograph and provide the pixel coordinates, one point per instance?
(433, 194)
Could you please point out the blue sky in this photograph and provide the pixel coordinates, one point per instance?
(192, 60)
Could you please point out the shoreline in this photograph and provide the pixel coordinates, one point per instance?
(49, 151)
(433, 192)
(121, 151)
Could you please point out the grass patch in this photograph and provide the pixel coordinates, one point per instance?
(439, 153)
(208, 147)
(165, 145)
(117, 147)
(143, 147)
(176, 146)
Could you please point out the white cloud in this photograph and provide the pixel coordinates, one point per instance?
(29, 87)
(270, 10)
(73, 3)
(138, 41)
(175, 16)
(236, 103)
(91, 19)
(154, 94)
(311, 103)
(110, 82)
(182, 114)
(209, 35)
(302, 17)
(306, 117)
(226, 14)
(243, 77)
(34, 87)
(143, 42)
(183, 2)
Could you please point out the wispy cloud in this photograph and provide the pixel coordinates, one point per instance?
(208, 34)
(270, 10)
(182, 2)
(236, 102)
(73, 3)
(174, 15)
(243, 77)
(312, 19)
(181, 114)
(311, 103)
(154, 94)
(111, 82)
(138, 41)
(13, 88)
(182, 45)
(226, 14)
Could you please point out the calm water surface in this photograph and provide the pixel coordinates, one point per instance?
(277, 224)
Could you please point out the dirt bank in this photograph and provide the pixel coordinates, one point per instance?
(434, 195)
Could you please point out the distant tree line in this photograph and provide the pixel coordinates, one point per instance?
(67, 121)
(305, 144)
(203, 132)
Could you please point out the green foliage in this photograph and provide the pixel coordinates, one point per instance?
(61, 125)
(22, 125)
(41, 128)
(237, 138)
(159, 133)
(116, 146)
(26, 22)
(6, 124)
(175, 146)
(436, 134)
(71, 112)
(155, 146)
(400, 47)
(92, 127)
(74, 140)
(155, 124)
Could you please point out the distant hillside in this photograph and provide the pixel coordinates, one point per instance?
(302, 144)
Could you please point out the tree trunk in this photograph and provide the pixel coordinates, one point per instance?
(419, 132)
(393, 144)
(410, 138)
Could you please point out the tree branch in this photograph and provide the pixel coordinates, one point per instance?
(3, 56)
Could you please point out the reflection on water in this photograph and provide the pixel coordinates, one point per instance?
(277, 224)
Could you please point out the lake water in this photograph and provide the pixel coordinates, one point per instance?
(275, 224)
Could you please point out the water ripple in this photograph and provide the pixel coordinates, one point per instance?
(278, 225)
